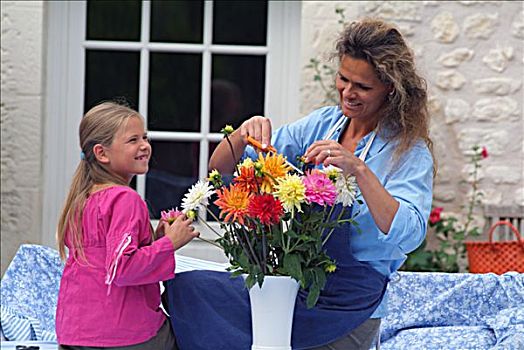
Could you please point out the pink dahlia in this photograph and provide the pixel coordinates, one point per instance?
(319, 188)
(170, 215)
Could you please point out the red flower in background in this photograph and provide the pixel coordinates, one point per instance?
(434, 216)
(484, 153)
(265, 208)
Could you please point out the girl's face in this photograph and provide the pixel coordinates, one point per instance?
(361, 93)
(130, 150)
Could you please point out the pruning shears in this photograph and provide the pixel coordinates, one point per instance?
(258, 145)
(270, 148)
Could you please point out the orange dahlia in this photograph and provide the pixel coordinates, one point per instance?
(233, 203)
(247, 180)
(274, 166)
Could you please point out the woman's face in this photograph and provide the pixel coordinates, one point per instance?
(361, 93)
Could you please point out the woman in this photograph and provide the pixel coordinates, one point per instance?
(379, 134)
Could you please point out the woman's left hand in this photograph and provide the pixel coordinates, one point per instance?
(330, 152)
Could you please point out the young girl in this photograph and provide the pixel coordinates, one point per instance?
(109, 293)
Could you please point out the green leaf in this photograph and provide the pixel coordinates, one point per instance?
(292, 266)
(236, 273)
(250, 281)
(312, 297)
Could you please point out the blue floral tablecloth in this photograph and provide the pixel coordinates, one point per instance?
(426, 310)
(454, 311)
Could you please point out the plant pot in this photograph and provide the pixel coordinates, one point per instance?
(272, 308)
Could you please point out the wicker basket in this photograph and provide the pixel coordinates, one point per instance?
(496, 257)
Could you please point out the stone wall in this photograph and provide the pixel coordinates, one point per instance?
(471, 53)
(21, 125)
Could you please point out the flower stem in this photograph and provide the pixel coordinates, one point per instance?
(251, 250)
(333, 229)
(209, 241)
(264, 251)
(232, 153)
(474, 184)
(209, 226)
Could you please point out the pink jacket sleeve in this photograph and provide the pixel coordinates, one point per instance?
(131, 258)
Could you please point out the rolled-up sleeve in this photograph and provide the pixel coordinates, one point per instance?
(411, 185)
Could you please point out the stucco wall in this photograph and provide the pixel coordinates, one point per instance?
(471, 53)
(21, 124)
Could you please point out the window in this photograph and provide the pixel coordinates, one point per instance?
(189, 67)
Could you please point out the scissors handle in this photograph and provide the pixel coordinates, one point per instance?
(258, 145)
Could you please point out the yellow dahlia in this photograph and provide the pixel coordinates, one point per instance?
(291, 191)
(274, 167)
(247, 163)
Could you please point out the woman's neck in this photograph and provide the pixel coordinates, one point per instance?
(354, 132)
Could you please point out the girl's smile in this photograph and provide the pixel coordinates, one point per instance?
(130, 151)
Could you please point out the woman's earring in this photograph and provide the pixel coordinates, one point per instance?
(391, 92)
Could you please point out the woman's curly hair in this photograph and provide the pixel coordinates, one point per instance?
(405, 114)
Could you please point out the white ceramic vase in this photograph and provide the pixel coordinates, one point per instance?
(272, 308)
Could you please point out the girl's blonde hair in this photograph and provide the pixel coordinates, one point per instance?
(406, 117)
(98, 126)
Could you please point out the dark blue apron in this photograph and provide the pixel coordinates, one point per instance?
(210, 310)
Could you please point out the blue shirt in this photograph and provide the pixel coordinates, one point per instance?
(409, 180)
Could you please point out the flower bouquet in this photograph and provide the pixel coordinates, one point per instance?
(275, 218)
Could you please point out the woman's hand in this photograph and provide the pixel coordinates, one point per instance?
(381, 204)
(329, 152)
(257, 127)
(180, 232)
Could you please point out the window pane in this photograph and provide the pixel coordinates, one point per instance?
(113, 20)
(177, 21)
(172, 170)
(237, 89)
(111, 75)
(240, 22)
(212, 206)
(174, 92)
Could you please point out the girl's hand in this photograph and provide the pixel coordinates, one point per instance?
(329, 152)
(258, 128)
(180, 232)
(159, 231)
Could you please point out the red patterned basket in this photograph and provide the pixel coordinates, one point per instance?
(496, 257)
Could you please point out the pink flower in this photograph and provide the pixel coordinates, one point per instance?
(319, 188)
(434, 216)
(170, 215)
(484, 153)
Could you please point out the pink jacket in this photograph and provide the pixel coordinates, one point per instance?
(114, 299)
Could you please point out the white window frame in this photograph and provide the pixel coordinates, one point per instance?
(66, 45)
